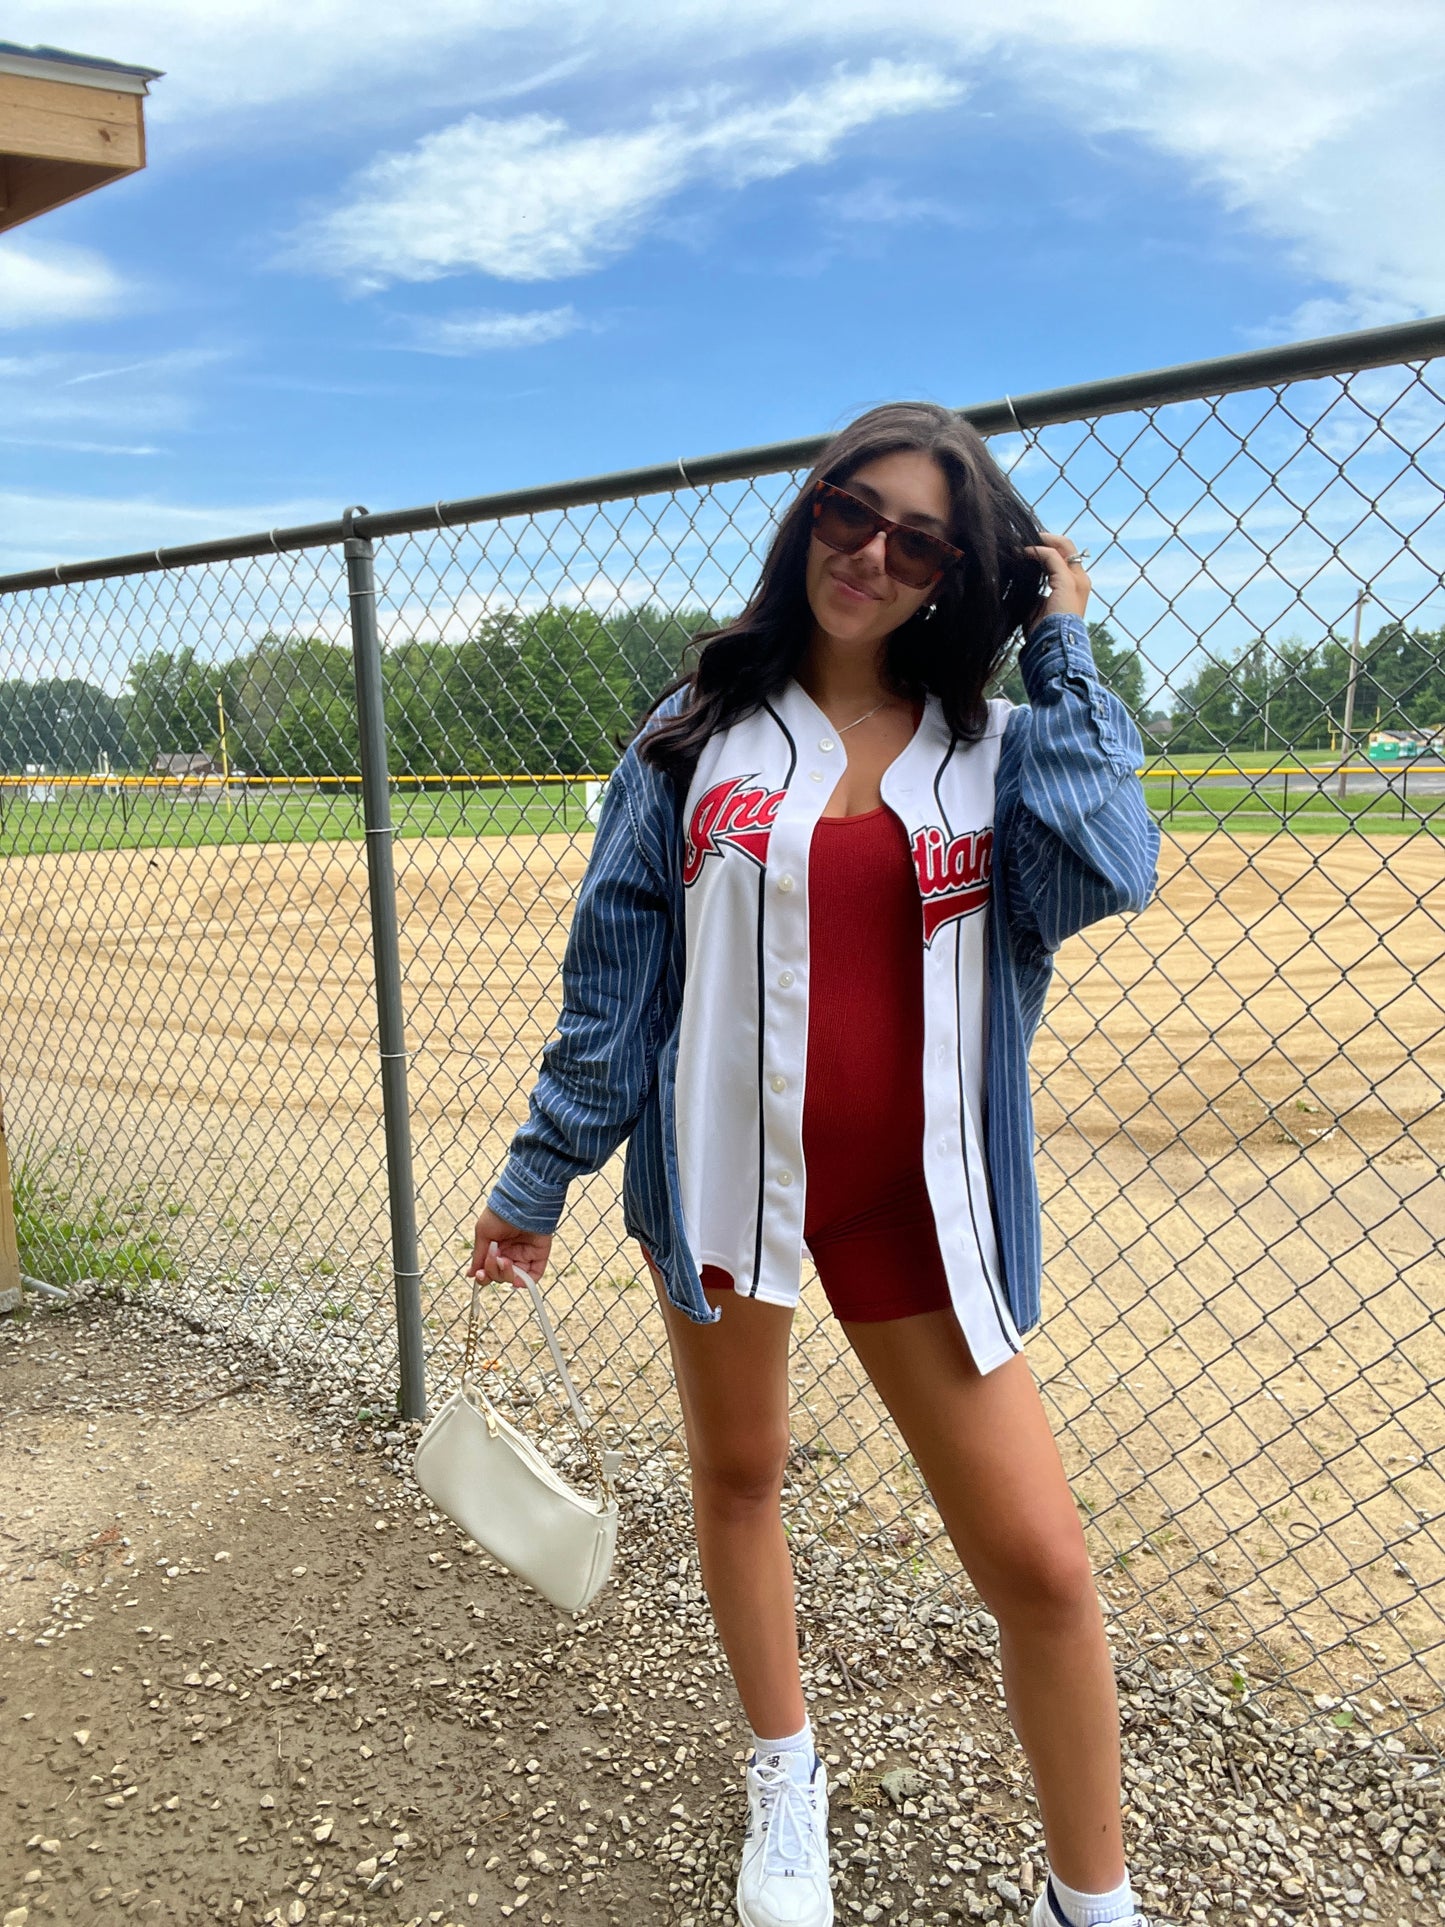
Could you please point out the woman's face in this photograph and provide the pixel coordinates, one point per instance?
(855, 604)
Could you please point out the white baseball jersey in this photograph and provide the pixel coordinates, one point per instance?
(757, 792)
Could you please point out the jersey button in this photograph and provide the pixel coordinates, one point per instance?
(826, 744)
(785, 1177)
(785, 979)
(780, 1083)
(815, 776)
(785, 884)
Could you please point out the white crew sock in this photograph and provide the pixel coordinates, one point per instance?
(795, 1751)
(1091, 1910)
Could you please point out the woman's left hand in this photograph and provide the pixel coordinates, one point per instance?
(1068, 590)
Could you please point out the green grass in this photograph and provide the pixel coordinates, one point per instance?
(65, 1235)
(1306, 810)
(88, 819)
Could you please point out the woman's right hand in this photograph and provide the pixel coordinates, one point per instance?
(498, 1248)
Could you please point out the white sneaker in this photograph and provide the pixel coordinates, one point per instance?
(784, 1877)
(1048, 1913)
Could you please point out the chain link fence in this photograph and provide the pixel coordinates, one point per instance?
(1238, 1091)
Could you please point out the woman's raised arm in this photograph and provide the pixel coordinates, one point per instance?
(1077, 840)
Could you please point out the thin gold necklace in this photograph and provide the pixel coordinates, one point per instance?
(863, 718)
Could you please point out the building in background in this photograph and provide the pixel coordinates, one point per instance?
(68, 124)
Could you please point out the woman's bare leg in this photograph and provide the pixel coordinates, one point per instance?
(986, 1452)
(732, 1380)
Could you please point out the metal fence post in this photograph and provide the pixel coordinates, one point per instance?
(386, 954)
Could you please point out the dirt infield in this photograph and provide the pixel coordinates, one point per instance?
(1241, 1138)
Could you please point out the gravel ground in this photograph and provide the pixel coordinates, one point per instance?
(247, 1675)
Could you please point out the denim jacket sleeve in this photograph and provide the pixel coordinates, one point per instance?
(598, 1067)
(1079, 843)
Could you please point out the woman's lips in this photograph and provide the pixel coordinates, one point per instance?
(851, 592)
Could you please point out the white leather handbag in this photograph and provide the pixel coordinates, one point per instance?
(485, 1474)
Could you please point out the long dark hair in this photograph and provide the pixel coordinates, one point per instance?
(954, 655)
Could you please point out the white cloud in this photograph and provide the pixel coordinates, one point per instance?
(1318, 125)
(51, 391)
(744, 144)
(1332, 315)
(41, 283)
(520, 199)
(490, 329)
(1321, 127)
(38, 529)
(79, 448)
(527, 199)
(878, 203)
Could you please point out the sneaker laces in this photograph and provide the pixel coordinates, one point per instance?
(789, 1812)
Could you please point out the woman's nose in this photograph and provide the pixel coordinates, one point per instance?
(876, 549)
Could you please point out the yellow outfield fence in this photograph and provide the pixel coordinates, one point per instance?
(214, 780)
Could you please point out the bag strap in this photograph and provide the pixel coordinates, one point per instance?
(607, 1463)
(584, 1418)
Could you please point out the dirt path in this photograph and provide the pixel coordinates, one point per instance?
(246, 1676)
(259, 1684)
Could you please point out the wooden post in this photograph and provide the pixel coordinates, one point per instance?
(11, 1295)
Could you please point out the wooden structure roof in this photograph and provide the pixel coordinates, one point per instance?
(68, 124)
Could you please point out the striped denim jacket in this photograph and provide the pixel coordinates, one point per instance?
(1073, 842)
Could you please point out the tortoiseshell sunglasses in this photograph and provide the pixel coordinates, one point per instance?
(842, 522)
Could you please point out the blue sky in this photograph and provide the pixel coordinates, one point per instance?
(385, 255)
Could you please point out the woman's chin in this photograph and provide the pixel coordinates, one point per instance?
(849, 622)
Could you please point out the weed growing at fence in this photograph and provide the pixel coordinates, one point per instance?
(63, 1239)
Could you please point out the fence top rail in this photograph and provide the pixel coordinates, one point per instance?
(1189, 381)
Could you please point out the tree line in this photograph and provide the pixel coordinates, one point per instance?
(552, 691)
(1292, 696)
(546, 693)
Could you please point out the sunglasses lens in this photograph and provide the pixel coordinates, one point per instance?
(841, 523)
(914, 558)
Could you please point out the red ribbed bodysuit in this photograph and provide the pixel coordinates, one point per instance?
(868, 1223)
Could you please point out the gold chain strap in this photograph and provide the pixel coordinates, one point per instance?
(469, 1350)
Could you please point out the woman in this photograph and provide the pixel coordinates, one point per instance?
(805, 967)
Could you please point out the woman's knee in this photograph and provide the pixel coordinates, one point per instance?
(734, 1472)
(1041, 1580)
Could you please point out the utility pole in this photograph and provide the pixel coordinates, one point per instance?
(1346, 738)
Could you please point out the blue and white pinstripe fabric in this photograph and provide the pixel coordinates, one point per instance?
(1073, 842)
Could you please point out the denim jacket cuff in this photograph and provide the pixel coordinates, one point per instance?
(1058, 644)
(1058, 668)
(520, 1200)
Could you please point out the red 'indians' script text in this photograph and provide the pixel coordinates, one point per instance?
(955, 875)
(739, 812)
